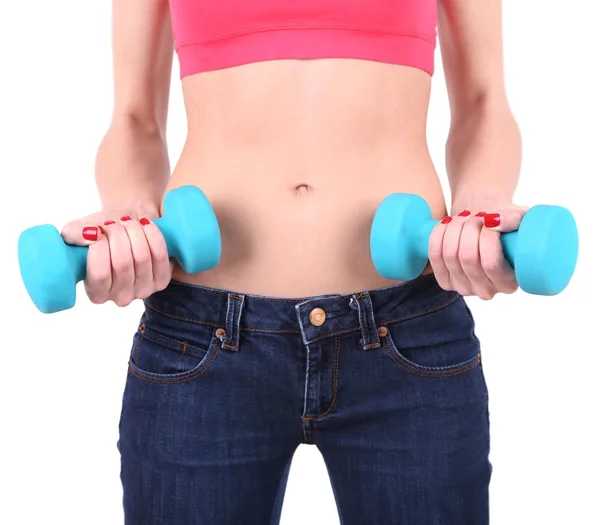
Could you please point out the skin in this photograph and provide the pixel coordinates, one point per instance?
(295, 157)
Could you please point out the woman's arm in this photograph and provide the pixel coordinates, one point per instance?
(132, 164)
(483, 151)
(127, 257)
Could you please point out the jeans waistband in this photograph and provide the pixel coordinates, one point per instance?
(314, 318)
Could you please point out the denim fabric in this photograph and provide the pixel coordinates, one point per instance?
(222, 388)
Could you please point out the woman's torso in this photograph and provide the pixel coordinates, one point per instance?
(295, 156)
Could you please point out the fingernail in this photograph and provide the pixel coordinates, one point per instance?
(491, 220)
(126, 218)
(108, 223)
(480, 214)
(90, 233)
(144, 221)
(446, 220)
(464, 213)
(101, 230)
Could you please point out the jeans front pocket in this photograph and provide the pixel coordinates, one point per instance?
(163, 358)
(441, 343)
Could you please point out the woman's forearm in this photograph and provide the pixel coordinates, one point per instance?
(483, 158)
(132, 166)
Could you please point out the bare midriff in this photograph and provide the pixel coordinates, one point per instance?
(295, 157)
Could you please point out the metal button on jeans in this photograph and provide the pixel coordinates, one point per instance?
(317, 316)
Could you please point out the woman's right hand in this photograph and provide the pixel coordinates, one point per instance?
(127, 257)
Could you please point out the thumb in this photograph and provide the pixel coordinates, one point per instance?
(81, 233)
(505, 220)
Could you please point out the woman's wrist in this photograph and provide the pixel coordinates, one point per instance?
(140, 200)
(480, 204)
(132, 169)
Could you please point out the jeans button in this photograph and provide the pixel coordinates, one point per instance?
(317, 316)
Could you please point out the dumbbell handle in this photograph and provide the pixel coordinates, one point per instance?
(78, 254)
(508, 240)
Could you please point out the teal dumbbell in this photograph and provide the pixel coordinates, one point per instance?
(51, 269)
(543, 252)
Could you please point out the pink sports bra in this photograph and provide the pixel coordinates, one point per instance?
(211, 34)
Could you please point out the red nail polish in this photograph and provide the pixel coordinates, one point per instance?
(446, 220)
(126, 218)
(491, 220)
(144, 221)
(464, 213)
(480, 214)
(101, 230)
(108, 223)
(90, 233)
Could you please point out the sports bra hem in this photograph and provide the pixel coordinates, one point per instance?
(298, 42)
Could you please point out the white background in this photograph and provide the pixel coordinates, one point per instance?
(63, 374)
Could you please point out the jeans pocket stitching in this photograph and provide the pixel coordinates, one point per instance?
(180, 377)
(170, 342)
(423, 371)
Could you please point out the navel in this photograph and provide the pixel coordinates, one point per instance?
(302, 189)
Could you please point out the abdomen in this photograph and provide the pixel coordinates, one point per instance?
(295, 157)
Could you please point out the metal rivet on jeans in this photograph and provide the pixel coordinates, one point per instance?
(220, 333)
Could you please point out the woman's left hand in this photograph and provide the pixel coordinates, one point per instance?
(466, 254)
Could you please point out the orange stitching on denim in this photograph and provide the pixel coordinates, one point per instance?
(427, 372)
(271, 331)
(176, 380)
(339, 332)
(208, 323)
(423, 312)
(225, 345)
(335, 383)
(394, 320)
(373, 345)
(364, 294)
(238, 297)
(173, 316)
(182, 354)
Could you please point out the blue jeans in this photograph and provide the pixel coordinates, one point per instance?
(222, 387)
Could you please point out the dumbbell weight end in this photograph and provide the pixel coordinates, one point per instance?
(190, 229)
(400, 236)
(50, 269)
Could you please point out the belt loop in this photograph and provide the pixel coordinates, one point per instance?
(366, 319)
(235, 305)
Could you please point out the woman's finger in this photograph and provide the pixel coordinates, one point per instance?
(142, 259)
(436, 257)
(81, 232)
(494, 264)
(450, 253)
(123, 271)
(98, 276)
(161, 265)
(505, 220)
(470, 260)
